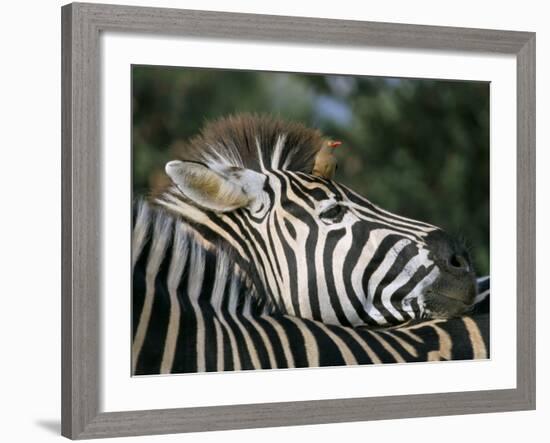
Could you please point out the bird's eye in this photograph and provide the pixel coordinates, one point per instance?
(336, 211)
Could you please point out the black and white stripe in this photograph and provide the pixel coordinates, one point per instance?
(365, 266)
(196, 310)
(309, 246)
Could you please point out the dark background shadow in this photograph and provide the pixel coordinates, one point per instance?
(52, 426)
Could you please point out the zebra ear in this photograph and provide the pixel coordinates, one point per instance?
(218, 190)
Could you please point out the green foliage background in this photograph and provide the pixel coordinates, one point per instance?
(419, 148)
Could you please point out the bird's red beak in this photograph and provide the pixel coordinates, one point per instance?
(334, 143)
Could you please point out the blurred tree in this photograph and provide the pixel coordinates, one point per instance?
(416, 147)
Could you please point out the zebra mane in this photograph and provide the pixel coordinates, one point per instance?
(255, 142)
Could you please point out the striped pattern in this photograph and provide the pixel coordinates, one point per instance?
(366, 266)
(196, 310)
(310, 247)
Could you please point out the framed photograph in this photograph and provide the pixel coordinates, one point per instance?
(273, 221)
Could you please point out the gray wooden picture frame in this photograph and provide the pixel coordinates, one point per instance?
(81, 171)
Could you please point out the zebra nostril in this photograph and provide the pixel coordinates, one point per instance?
(459, 262)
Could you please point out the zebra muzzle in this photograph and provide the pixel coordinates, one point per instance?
(454, 291)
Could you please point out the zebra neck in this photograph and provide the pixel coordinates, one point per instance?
(224, 233)
(169, 252)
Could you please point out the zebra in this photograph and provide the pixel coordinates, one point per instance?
(262, 190)
(194, 311)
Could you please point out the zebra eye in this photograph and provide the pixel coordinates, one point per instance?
(333, 212)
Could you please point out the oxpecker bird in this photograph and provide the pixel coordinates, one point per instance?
(325, 161)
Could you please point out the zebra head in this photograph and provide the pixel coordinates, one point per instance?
(312, 247)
